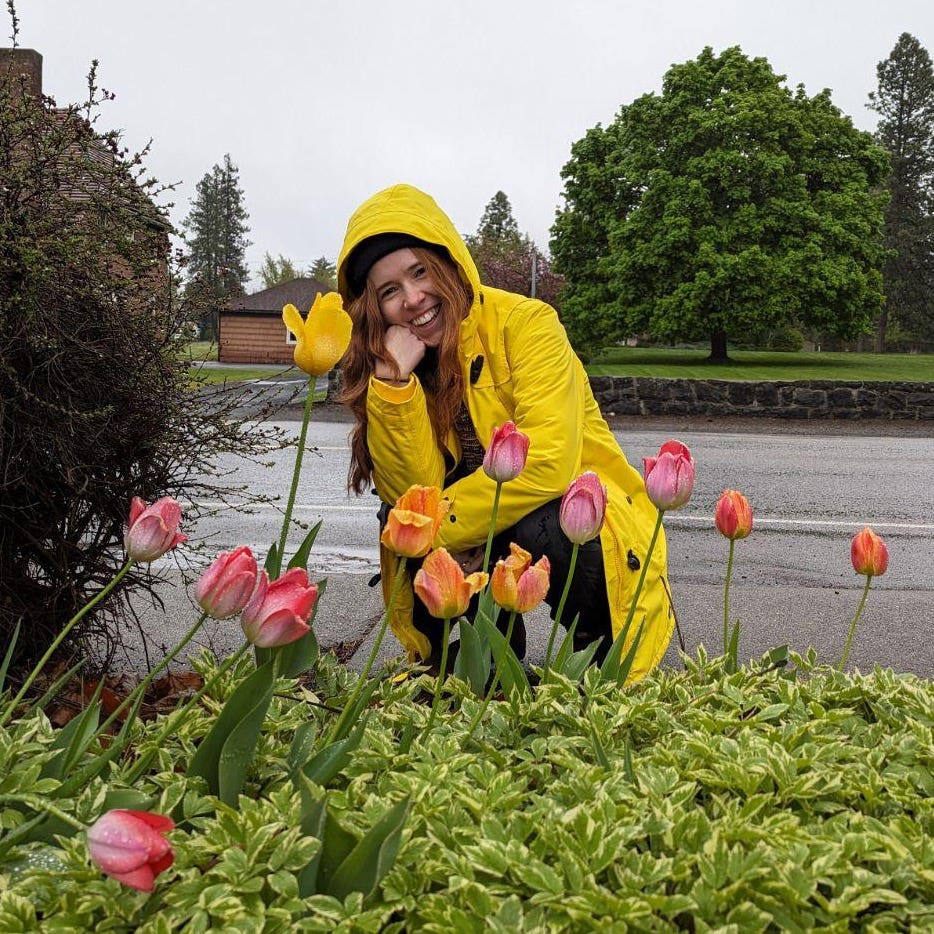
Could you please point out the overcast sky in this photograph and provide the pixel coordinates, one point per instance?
(321, 104)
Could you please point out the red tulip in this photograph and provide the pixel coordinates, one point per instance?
(517, 584)
(224, 589)
(152, 530)
(669, 478)
(733, 515)
(278, 612)
(868, 553)
(583, 508)
(505, 457)
(131, 847)
(442, 586)
(414, 521)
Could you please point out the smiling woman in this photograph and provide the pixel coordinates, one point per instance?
(437, 362)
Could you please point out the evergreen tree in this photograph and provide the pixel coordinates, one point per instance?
(905, 103)
(274, 271)
(497, 225)
(324, 271)
(217, 226)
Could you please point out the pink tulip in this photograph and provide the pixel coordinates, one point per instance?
(278, 612)
(669, 478)
(153, 530)
(869, 553)
(583, 508)
(225, 587)
(505, 457)
(131, 847)
(733, 515)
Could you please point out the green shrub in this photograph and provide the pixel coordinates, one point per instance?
(787, 339)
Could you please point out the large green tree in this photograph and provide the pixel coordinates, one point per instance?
(725, 205)
(324, 270)
(904, 101)
(276, 270)
(217, 238)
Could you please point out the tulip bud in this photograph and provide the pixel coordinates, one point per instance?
(224, 589)
(583, 508)
(441, 585)
(505, 457)
(278, 612)
(733, 515)
(131, 847)
(322, 338)
(152, 530)
(517, 584)
(414, 521)
(869, 553)
(669, 478)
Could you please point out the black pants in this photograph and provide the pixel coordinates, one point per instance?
(539, 533)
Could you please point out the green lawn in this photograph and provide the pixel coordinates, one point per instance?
(755, 365)
(224, 374)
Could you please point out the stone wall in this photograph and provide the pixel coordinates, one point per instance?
(806, 399)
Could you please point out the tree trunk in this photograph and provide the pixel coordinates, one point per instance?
(881, 326)
(718, 348)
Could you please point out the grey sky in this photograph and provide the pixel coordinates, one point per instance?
(323, 103)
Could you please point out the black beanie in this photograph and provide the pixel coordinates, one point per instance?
(373, 249)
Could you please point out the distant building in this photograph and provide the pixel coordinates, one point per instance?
(251, 328)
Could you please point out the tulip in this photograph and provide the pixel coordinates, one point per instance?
(669, 477)
(583, 508)
(505, 457)
(278, 612)
(870, 557)
(152, 530)
(227, 585)
(442, 586)
(733, 515)
(517, 584)
(414, 521)
(131, 847)
(869, 553)
(322, 338)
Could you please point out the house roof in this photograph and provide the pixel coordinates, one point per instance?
(298, 292)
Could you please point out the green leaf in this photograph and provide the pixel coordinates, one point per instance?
(328, 762)
(599, 751)
(362, 869)
(612, 668)
(509, 669)
(9, 655)
(297, 657)
(733, 650)
(567, 645)
(312, 823)
(74, 738)
(300, 558)
(239, 724)
(474, 661)
(302, 745)
(573, 669)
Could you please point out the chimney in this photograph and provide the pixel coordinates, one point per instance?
(22, 64)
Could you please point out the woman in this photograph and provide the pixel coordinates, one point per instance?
(436, 362)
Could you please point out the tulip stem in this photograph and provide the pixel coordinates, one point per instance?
(27, 684)
(176, 717)
(561, 602)
(726, 600)
(493, 685)
(140, 689)
(41, 803)
(296, 473)
(489, 538)
(442, 674)
(358, 688)
(859, 612)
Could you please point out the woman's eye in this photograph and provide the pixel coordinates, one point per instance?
(386, 292)
(419, 272)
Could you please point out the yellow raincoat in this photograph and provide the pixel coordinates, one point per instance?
(530, 375)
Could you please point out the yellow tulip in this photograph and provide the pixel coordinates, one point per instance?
(322, 338)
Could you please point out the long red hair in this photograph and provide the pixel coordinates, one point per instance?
(439, 371)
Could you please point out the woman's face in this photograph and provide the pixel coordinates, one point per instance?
(408, 296)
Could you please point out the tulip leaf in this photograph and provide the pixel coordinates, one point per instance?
(364, 867)
(302, 745)
(574, 667)
(56, 686)
(474, 662)
(598, 750)
(300, 558)
(567, 645)
(273, 561)
(327, 762)
(612, 668)
(348, 717)
(74, 738)
(509, 669)
(312, 823)
(225, 753)
(297, 657)
(9, 654)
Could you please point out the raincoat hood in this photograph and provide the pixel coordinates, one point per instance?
(405, 209)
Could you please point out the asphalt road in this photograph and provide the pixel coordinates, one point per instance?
(793, 582)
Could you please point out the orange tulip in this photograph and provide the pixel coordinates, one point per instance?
(733, 515)
(414, 521)
(442, 586)
(517, 584)
(868, 553)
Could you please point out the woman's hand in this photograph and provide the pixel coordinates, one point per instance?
(405, 348)
(471, 559)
